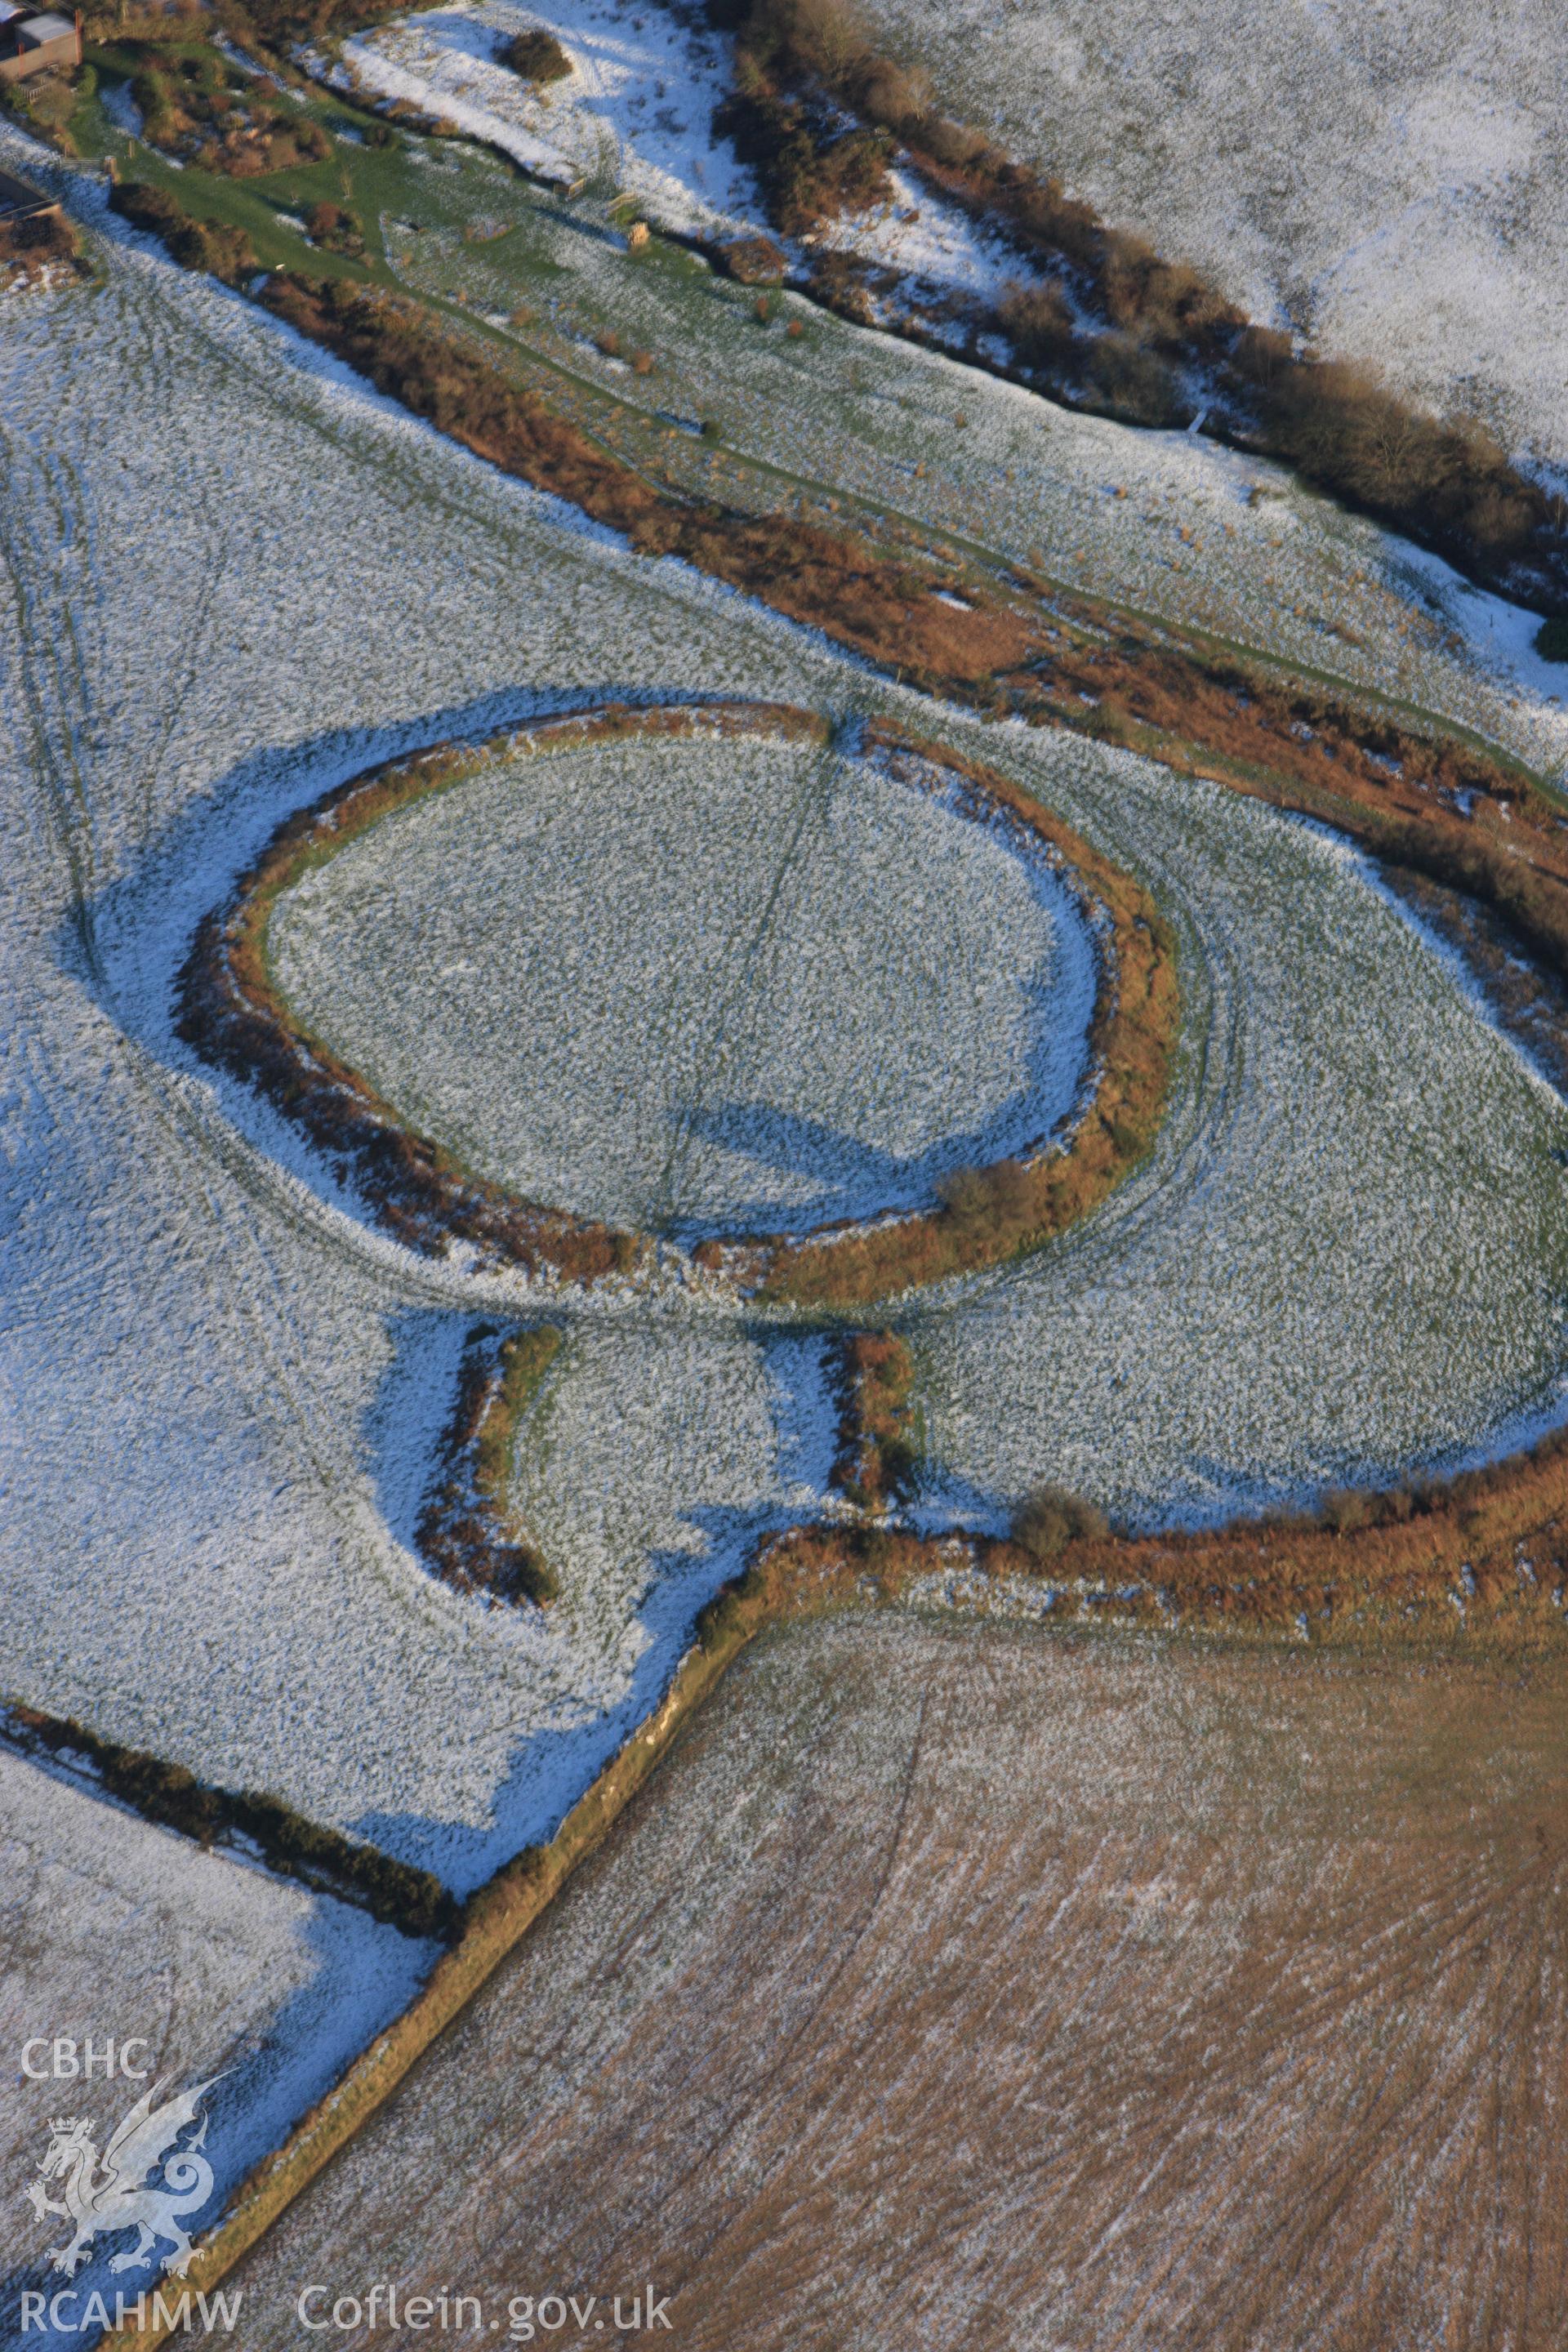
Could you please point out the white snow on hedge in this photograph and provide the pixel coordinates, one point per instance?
(933, 246)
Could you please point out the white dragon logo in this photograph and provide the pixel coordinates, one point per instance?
(119, 2198)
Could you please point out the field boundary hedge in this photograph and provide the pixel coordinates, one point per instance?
(819, 110)
(1477, 1564)
(494, 1920)
(394, 1893)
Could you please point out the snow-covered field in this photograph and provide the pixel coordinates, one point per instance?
(1388, 179)
(1388, 182)
(221, 1394)
(634, 117)
(635, 112)
(1351, 1155)
(1167, 522)
(699, 987)
(233, 578)
(112, 1930)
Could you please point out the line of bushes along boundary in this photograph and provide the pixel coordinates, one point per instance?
(1432, 806)
(494, 1920)
(876, 1456)
(1171, 701)
(396, 1892)
(1477, 1561)
(1110, 325)
(1160, 341)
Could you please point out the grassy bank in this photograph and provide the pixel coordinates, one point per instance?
(464, 1530)
(876, 1456)
(1480, 1560)
(232, 1011)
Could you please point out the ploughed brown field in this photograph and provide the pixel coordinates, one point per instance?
(969, 1987)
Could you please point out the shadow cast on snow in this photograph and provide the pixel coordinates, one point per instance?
(141, 928)
(361, 1976)
(857, 1178)
(551, 1768)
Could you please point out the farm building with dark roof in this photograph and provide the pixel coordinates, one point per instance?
(33, 44)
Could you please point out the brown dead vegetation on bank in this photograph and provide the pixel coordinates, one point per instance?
(464, 1530)
(213, 246)
(1428, 802)
(835, 581)
(876, 1456)
(230, 1010)
(1528, 995)
(1102, 321)
(1481, 1558)
(42, 246)
(1100, 674)
(1430, 805)
(989, 1214)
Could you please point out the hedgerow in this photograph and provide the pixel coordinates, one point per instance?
(393, 1892)
(1158, 339)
